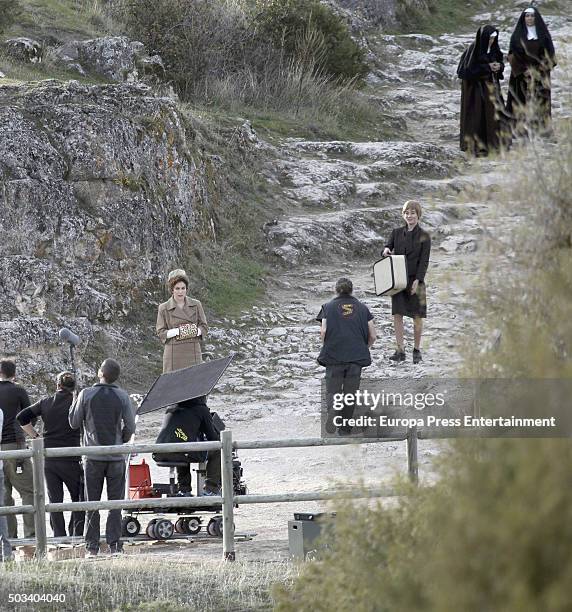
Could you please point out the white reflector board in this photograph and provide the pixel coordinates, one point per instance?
(390, 275)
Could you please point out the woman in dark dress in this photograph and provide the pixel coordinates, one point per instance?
(415, 243)
(531, 56)
(480, 69)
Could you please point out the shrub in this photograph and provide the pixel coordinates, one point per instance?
(285, 23)
(197, 39)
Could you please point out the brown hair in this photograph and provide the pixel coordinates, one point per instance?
(65, 380)
(412, 205)
(177, 276)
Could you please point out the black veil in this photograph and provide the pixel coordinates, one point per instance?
(477, 49)
(520, 35)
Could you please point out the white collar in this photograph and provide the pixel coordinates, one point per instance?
(531, 33)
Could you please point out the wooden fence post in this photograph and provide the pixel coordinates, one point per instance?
(412, 461)
(39, 497)
(228, 497)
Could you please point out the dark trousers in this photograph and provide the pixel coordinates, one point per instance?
(60, 472)
(345, 379)
(96, 472)
(213, 478)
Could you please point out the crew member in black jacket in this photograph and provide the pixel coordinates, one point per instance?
(17, 472)
(415, 243)
(191, 421)
(58, 471)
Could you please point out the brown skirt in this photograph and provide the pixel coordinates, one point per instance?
(403, 303)
(179, 354)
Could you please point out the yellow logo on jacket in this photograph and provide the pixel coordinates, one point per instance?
(347, 310)
(179, 433)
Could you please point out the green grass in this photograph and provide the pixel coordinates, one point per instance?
(61, 20)
(18, 72)
(364, 123)
(443, 15)
(231, 283)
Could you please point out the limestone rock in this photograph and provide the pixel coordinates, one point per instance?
(114, 57)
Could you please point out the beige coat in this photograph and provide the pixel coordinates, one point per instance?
(180, 353)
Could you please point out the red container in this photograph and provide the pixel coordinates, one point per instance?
(140, 485)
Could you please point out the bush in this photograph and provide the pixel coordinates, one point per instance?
(293, 57)
(9, 9)
(198, 39)
(286, 22)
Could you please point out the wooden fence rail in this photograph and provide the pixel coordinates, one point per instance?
(227, 500)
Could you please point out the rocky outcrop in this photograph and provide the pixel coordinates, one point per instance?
(377, 11)
(113, 57)
(23, 49)
(98, 191)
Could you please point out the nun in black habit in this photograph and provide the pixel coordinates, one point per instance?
(480, 69)
(531, 56)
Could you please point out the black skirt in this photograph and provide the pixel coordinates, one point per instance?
(403, 303)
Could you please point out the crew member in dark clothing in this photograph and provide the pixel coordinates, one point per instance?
(415, 243)
(54, 411)
(191, 421)
(347, 332)
(17, 472)
(106, 414)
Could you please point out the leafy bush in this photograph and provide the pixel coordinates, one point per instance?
(285, 23)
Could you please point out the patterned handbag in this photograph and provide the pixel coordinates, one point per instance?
(187, 331)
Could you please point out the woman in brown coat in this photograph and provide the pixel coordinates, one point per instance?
(181, 323)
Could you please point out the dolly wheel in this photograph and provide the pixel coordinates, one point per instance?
(130, 526)
(214, 527)
(164, 529)
(193, 525)
(150, 531)
(210, 527)
(181, 525)
(217, 526)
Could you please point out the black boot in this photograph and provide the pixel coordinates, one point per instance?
(417, 356)
(398, 356)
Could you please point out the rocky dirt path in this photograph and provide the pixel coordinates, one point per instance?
(345, 197)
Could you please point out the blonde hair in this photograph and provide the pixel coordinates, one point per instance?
(177, 276)
(412, 205)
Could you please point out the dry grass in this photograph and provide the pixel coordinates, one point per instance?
(130, 583)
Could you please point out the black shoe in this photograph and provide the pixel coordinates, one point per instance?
(417, 356)
(398, 356)
(329, 426)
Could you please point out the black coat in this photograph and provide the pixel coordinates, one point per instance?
(189, 421)
(416, 246)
